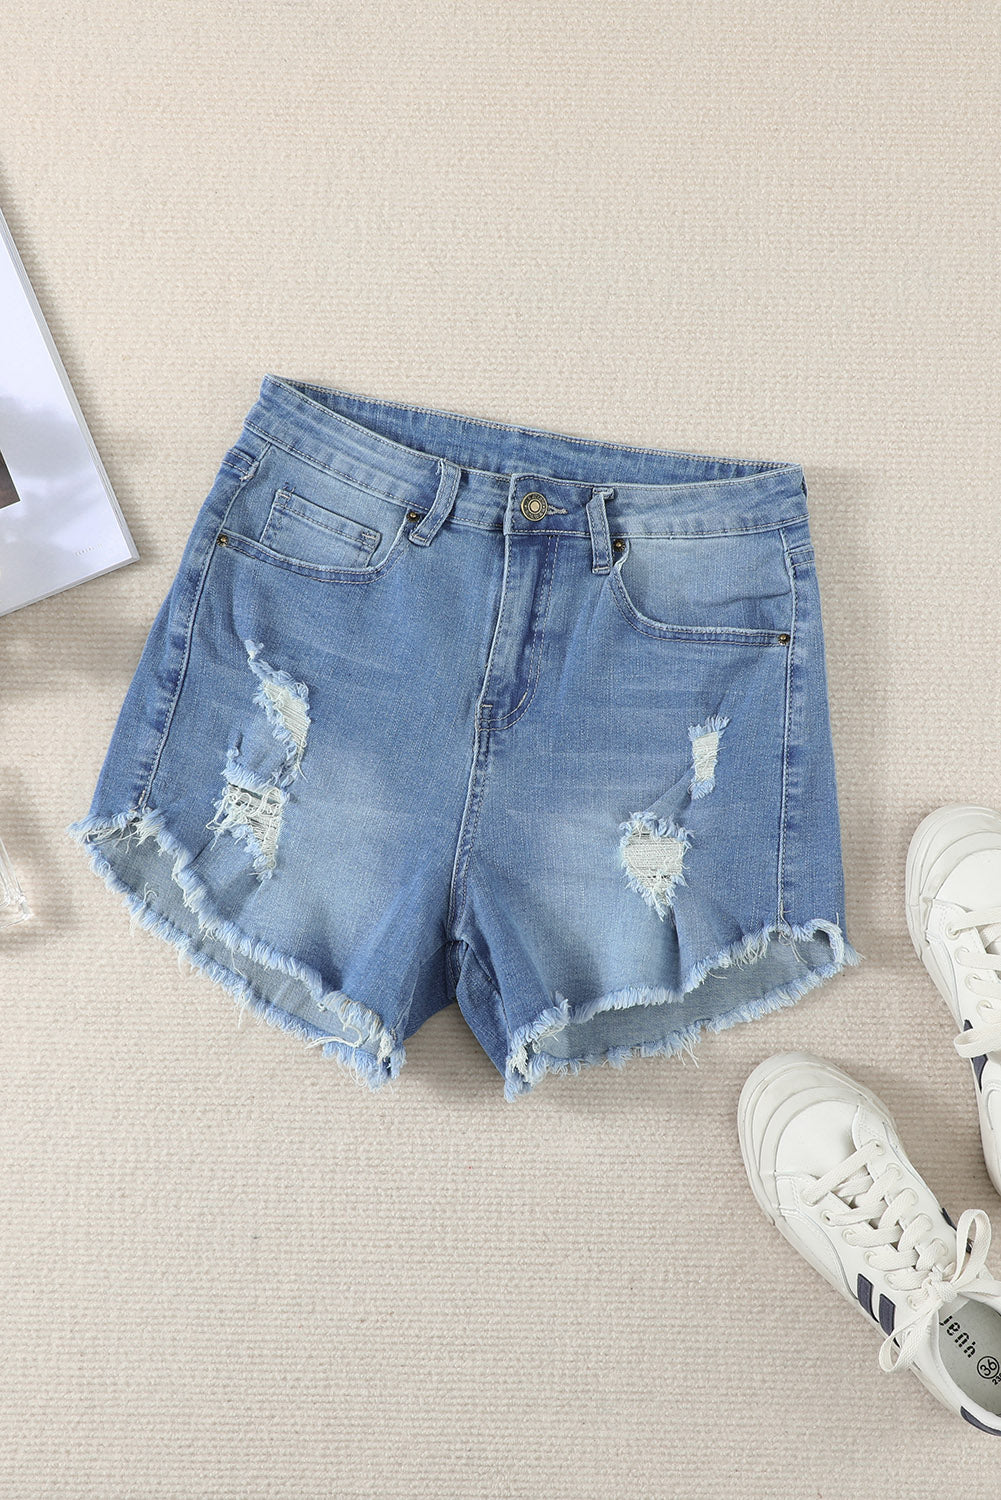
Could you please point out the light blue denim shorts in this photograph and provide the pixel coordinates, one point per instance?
(446, 709)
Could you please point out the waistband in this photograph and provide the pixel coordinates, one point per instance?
(408, 453)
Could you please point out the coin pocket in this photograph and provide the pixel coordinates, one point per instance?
(305, 532)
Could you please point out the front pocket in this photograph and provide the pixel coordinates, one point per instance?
(305, 532)
(730, 588)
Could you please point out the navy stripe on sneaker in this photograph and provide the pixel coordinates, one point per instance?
(887, 1307)
(978, 1062)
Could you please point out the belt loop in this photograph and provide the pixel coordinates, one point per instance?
(425, 531)
(597, 520)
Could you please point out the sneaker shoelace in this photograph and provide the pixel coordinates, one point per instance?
(901, 1244)
(986, 1037)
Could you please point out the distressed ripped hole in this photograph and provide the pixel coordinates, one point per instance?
(286, 704)
(652, 852)
(705, 740)
(251, 808)
(253, 817)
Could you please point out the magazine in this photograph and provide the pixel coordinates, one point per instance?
(60, 523)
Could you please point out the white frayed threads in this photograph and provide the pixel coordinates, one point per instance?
(705, 752)
(652, 851)
(255, 817)
(252, 806)
(291, 711)
(286, 703)
(370, 1032)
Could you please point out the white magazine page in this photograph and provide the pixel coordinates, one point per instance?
(60, 523)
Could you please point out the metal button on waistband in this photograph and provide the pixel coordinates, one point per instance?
(534, 506)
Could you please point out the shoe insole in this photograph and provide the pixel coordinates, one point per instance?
(969, 1341)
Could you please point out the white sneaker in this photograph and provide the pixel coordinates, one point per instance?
(953, 895)
(826, 1165)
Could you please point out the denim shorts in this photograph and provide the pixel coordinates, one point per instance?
(446, 709)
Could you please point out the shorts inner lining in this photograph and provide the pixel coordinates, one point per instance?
(762, 972)
(139, 859)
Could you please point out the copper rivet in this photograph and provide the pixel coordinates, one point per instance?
(413, 515)
(783, 638)
(223, 539)
(618, 544)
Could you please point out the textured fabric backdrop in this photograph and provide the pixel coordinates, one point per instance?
(767, 229)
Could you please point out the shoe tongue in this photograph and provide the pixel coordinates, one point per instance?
(972, 883)
(867, 1125)
(822, 1141)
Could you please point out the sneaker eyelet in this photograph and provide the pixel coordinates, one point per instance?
(848, 1236)
(868, 1257)
(826, 1216)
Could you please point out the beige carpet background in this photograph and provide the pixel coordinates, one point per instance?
(767, 229)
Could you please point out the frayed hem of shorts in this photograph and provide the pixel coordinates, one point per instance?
(371, 1068)
(526, 1066)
